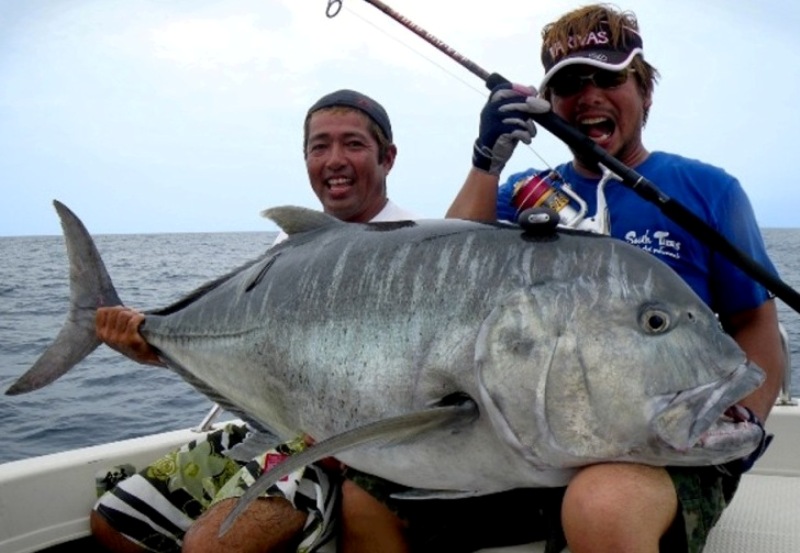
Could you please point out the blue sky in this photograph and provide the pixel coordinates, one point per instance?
(186, 115)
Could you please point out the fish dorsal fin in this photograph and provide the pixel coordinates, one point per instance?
(294, 220)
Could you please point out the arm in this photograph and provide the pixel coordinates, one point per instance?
(477, 199)
(118, 328)
(756, 331)
(746, 311)
(505, 120)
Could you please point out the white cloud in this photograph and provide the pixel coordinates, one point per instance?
(194, 93)
(211, 43)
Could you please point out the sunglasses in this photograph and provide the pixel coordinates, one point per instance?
(566, 84)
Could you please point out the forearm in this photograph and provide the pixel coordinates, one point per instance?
(757, 333)
(477, 199)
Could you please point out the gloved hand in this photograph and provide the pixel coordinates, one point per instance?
(740, 466)
(505, 120)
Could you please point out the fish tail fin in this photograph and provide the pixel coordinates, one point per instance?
(90, 288)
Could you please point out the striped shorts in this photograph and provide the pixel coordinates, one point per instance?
(156, 506)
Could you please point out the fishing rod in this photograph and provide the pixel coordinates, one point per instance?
(586, 147)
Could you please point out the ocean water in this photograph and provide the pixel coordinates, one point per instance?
(108, 397)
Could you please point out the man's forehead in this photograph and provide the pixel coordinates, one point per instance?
(338, 120)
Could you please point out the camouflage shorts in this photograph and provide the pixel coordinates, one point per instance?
(528, 515)
(703, 493)
(156, 506)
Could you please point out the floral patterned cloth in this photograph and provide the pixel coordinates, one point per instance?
(156, 506)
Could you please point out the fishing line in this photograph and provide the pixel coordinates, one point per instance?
(433, 62)
(585, 146)
(417, 52)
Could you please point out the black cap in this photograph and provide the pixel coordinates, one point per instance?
(361, 102)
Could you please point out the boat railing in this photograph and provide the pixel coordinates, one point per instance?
(209, 419)
(785, 397)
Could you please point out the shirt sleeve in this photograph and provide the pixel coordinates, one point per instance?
(733, 290)
(506, 211)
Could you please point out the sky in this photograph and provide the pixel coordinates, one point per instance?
(148, 116)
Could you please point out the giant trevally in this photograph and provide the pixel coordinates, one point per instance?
(494, 357)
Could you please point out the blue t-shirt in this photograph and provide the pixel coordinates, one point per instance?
(705, 190)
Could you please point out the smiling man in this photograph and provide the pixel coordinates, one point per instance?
(597, 80)
(179, 502)
(349, 152)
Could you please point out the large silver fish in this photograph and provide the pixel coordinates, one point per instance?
(447, 355)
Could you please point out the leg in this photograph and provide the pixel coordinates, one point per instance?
(271, 523)
(151, 510)
(268, 525)
(375, 521)
(367, 525)
(108, 536)
(619, 508)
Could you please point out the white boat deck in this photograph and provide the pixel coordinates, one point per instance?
(46, 500)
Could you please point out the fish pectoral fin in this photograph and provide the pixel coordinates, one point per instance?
(415, 494)
(389, 430)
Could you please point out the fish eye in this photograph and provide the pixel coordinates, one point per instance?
(654, 320)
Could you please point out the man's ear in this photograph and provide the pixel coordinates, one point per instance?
(648, 101)
(388, 159)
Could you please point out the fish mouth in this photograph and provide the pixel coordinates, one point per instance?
(703, 412)
(730, 437)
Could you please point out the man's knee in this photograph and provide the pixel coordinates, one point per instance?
(618, 504)
(268, 524)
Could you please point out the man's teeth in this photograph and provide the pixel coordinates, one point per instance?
(337, 182)
(596, 128)
(592, 121)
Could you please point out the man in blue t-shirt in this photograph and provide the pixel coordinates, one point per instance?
(596, 78)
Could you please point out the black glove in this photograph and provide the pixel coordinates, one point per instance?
(740, 466)
(505, 120)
